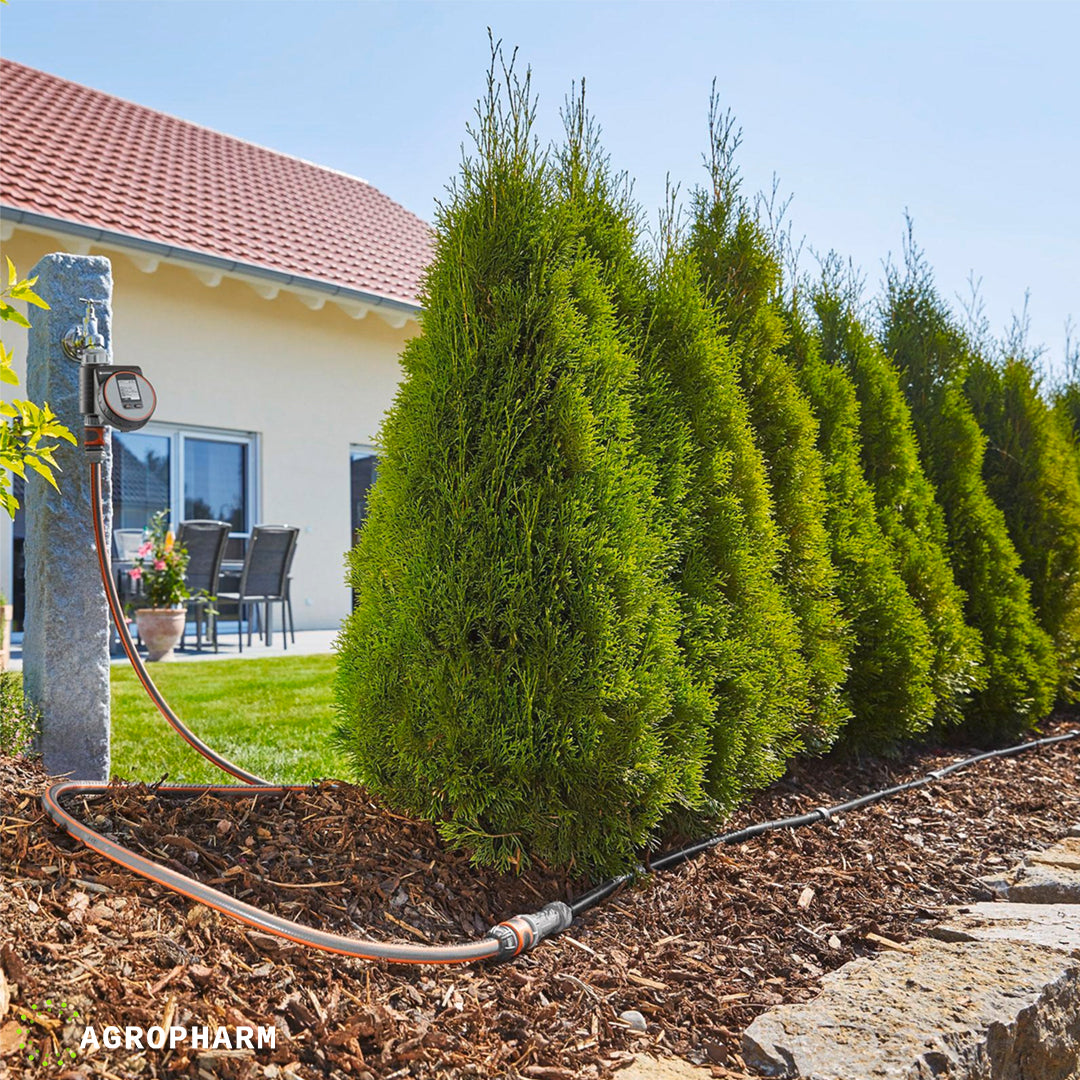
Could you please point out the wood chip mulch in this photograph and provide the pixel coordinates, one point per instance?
(698, 951)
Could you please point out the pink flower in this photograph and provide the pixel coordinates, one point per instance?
(135, 573)
(159, 564)
(146, 549)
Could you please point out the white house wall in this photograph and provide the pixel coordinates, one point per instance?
(309, 383)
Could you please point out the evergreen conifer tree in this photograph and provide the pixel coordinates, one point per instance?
(738, 631)
(932, 355)
(889, 683)
(907, 507)
(1031, 474)
(511, 667)
(1066, 396)
(741, 275)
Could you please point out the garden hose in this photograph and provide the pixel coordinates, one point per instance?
(509, 938)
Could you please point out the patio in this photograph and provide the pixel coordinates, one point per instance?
(308, 643)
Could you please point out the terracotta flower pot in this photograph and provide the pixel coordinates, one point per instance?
(160, 629)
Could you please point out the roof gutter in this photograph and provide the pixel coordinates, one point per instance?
(189, 257)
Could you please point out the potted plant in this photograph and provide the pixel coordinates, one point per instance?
(160, 565)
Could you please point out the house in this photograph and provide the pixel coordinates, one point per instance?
(267, 299)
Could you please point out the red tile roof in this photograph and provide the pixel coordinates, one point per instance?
(70, 152)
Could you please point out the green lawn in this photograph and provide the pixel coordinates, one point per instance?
(273, 717)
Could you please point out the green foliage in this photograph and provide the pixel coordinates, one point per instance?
(1030, 471)
(738, 632)
(511, 667)
(1066, 397)
(888, 684)
(932, 356)
(907, 507)
(27, 428)
(741, 277)
(20, 722)
(161, 563)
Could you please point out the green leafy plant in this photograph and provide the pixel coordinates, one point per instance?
(27, 429)
(932, 354)
(888, 684)
(741, 275)
(160, 564)
(20, 722)
(738, 633)
(1030, 470)
(511, 667)
(906, 503)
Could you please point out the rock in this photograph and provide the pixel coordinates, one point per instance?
(1044, 877)
(1056, 926)
(1040, 884)
(1065, 854)
(970, 1010)
(1074, 831)
(634, 1020)
(650, 1068)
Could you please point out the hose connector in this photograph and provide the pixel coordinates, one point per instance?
(525, 932)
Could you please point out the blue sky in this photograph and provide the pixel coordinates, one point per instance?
(967, 115)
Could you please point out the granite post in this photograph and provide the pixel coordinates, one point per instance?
(66, 639)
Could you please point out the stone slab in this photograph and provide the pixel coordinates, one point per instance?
(66, 642)
(1051, 876)
(1065, 854)
(1056, 926)
(972, 1010)
(646, 1067)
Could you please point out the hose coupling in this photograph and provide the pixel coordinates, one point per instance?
(525, 932)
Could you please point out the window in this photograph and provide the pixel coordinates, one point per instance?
(215, 481)
(193, 473)
(141, 469)
(363, 466)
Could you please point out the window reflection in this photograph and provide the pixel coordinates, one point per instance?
(140, 484)
(215, 481)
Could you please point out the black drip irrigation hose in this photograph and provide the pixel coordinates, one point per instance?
(511, 937)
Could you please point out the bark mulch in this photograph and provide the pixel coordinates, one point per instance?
(699, 951)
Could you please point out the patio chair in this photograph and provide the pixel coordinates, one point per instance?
(205, 541)
(265, 579)
(127, 543)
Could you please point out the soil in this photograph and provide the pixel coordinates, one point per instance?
(698, 952)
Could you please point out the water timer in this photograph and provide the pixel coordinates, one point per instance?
(111, 395)
(124, 397)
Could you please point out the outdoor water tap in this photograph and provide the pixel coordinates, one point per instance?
(83, 343)
(110, 395)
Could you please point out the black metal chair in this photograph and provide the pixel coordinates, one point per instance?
(205, 542)
(126, 543)
(265, 579)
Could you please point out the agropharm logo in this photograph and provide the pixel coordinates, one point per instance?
(199, 1037)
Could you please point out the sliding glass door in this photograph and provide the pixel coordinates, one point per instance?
(193, 473)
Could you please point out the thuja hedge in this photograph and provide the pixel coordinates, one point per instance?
(511, 667)
(738, 632)
(888, 685)
(639, 534)
(932, 355)
(1030, 470)
(740, 275)
(907, 507)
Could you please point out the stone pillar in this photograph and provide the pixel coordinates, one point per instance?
(66, 640)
